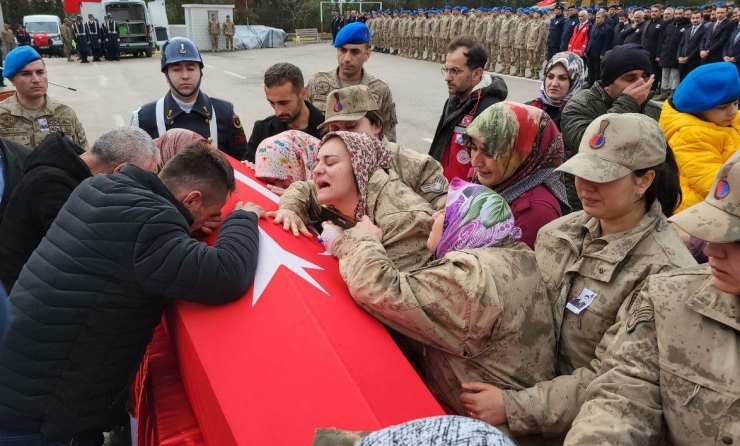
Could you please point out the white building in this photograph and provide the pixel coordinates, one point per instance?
(196, 23)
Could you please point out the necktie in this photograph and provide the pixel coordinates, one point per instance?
(716, 24)
(693, 30)
(734, 42)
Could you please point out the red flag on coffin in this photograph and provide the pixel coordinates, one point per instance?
(294, 354)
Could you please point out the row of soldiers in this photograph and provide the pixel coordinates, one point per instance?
(516, 37)
(92, 39)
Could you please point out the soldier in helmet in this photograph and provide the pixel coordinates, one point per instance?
(186, 106)
(82, 39)
(110, 37)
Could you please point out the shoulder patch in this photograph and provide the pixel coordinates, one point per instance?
(322, 87)
(642, 311)
(6, 120)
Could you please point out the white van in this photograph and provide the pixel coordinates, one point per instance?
(135, 27)
(46, 34)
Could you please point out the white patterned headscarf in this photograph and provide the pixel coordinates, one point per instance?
(576, 72)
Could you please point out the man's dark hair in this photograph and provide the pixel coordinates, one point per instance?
(283, 72)
(476, 55)
(199, 166)
(624, 14)
(721, 6)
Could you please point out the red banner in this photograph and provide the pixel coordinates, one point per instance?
(73, 6)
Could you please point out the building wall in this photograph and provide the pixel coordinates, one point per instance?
(196, 23)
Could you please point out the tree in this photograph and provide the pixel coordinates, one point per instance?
(298, 10)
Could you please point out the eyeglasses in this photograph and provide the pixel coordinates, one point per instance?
(453, 71)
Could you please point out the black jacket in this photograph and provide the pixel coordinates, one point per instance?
(52, 172)
(668, 43)
(689, 46)
(599, 40)
(633, 35)
(231, 138)
(651, 37)
(617, 38)
(568, 26)
(272, 126)
(454, 111)
(732, 49)
(555, 33)
(714, 41)
(13, 158)
(87, 301)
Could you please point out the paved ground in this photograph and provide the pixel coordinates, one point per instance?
(107, 92)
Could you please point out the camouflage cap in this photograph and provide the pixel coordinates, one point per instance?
(349, 104)
(717, 218)
(615, 145)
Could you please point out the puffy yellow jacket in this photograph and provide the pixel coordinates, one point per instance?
(700, 148)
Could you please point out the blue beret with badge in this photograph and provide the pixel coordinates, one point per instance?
(18, 58)
(354, 33)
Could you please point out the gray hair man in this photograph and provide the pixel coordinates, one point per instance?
(53, 170)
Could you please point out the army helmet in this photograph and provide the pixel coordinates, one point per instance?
(180, 49)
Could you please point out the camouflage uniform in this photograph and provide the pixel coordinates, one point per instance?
(404, 217)
(429, 37)
(468, 25)
(394, 33)
(421, 23)
(491, 39)
(214, 30)
(30, 127)
(520, 47)
(422, 173)
(437, 39)
(482, 314)
(536, 36)
(455, 27)
(67, 37)
(228, 30)
(573, 258)
(505, 41)
(444, 32)
(8, 39)
(674, 365)
(481, 25)
(324, 82)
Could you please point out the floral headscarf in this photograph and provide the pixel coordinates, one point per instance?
(576, 72)
(287, 155)
(367, 154)
(172, 142)
(475, 217)
(527, 146)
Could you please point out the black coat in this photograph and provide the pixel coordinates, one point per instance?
(714, 41)
(732, 49)
(272, 126)
(555, 34)
(13, 160)
(633, 35)
(669, 41)
(617, 38)
(689, 46)
(568, 26)
(599, 40)
(52, 172)
(651, 37)
(86, 303)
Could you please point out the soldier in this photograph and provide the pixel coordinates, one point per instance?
(444, 33)
(214, 30)
(680, 343)
(505, 39)
(92, 27)
(481, 25)
(421, 23)
(520, 45)
(468, 24)
(82, 39)
(456, 23)
(29, 116)
(8, 38)
(353, 50)
(111, 38)
(428, 35)
(67, 36)
(186, 106)
(536, 37)
(491, 36)
(228, 30)
(403, 33)
(393, 33)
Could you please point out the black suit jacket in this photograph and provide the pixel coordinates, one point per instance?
(14, 160)
(599, 40)
(732, 49)
(689, 46)
(714, 41)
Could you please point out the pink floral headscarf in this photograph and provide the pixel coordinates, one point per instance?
(287, 155)
(367, 154)
(475, 217)
(172, 142)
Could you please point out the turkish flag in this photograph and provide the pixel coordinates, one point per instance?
(545, 4)
(294, 354)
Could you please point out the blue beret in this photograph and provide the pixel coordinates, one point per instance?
(464, 9)
(698, 91)
(228, 16)
(19, 58)
(508, 8)
(590, 10)
(448, 7)
(496, 9)
(525, 11)
(356, 32)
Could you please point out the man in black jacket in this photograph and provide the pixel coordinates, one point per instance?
(634, 32)
(286, 93)
(599, 42)
(716, 37)
(731, 51)
(650, 39)
(471, 91)
(86, 303)
(688, 49)
(668, 44)
(555, 34)
(12, 161)
(622, 24)
(54, 169)
(568, 26)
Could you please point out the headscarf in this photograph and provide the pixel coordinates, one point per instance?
(172, 142)
(475, 217)
(576, 72)
(527, 146)
(367, 154)
(287, 155)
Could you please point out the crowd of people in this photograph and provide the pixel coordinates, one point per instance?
(562, 272)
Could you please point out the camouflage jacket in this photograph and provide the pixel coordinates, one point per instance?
(575, 259)
(507, 31)
(482, 314)
(456, 25)
(404, 217)
(228, 28)
(323, 82)
(214, 28)
(520, 38)
(67, 34)
(421, 24)
(672, 372)
(444, 27)
(468, 26)
(422, 173)
(30, 127)
(393, 29)
(493, 29)
(428, 27)
(436, 30)
(537, 34)
(479, 32)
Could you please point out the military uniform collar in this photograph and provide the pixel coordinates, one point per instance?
(15, 107)
(365, 80)
(716, 305)
(202, 106)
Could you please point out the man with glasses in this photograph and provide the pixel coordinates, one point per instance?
(626, 79)
(471, 91)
